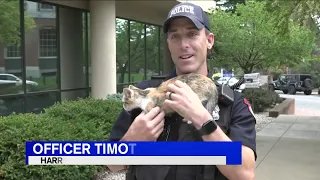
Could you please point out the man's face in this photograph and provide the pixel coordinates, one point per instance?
(188, 46)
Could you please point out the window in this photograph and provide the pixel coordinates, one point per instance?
(45, 7)
(12, 51)
(48, 46)
(3, 77)
(8, 77)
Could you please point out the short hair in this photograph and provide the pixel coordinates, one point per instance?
(207, 31)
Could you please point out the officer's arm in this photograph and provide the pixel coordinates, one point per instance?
(122, 124)
(242, 128)
(118, 132)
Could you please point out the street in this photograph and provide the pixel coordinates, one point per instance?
(306, 105)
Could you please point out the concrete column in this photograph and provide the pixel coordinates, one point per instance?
(71, 53)
(168, 64)
(103, 48)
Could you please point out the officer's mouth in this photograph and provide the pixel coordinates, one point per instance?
(186, 57)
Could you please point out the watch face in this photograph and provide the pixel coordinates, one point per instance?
(208, 128)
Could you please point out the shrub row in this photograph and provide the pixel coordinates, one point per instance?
(84, 119)
(261, 99)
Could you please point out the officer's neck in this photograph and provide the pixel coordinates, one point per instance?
(204, 72)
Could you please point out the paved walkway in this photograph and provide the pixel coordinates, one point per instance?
(307, 112)
(289, 149)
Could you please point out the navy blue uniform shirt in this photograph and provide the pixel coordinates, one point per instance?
(241, 128)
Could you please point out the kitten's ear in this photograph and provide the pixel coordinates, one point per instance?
(144, 92)
(132, 87)
(128, 93)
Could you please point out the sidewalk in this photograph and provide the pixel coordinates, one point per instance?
(289, 149)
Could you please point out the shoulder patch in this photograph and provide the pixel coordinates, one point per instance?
(245, 101)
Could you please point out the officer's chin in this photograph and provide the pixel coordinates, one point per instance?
(187, 68)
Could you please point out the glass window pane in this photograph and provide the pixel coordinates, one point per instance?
(123, 63)
(73, 95)
(137, 52)
(152, 51)
(40, 48)
(37, 102)
(11, 81)
(10, 104)
(161, 41)
(72, 49)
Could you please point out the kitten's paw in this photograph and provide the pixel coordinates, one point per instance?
(187, 121)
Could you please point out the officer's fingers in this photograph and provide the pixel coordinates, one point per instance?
(158, 130)
(152, 113)
(172, 96)
(158, 119)
(173, 104)
(140, 116)
(182, 85)
(179, 84)
(158, 127)
(175, 89)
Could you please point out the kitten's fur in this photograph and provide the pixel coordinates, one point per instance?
(148, 98)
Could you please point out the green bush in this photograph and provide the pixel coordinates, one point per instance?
(117, 96)
(261, 99)
(84, 119)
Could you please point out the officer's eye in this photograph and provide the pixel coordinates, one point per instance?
(191, 34)
(174, 36)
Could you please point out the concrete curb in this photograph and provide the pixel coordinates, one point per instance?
(285, 107)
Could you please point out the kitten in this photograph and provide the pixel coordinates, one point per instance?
(148, 98)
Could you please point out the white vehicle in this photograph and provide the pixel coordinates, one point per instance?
(252, 80)
(227, 80)
(12, 79)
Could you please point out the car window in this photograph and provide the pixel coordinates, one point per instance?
(2, 77)
(11, 78)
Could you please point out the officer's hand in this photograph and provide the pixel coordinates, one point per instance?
(146, 127)
(186, 103)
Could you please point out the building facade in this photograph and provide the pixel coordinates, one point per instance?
(64, 50)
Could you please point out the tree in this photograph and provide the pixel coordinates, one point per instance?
(10, 22)
(229, 5)
(304, 12)
(248, 39)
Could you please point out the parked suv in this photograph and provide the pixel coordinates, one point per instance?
(291, 83)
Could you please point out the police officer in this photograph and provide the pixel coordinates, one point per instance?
(189, 38)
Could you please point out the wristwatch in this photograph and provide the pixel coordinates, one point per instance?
(208, 127)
